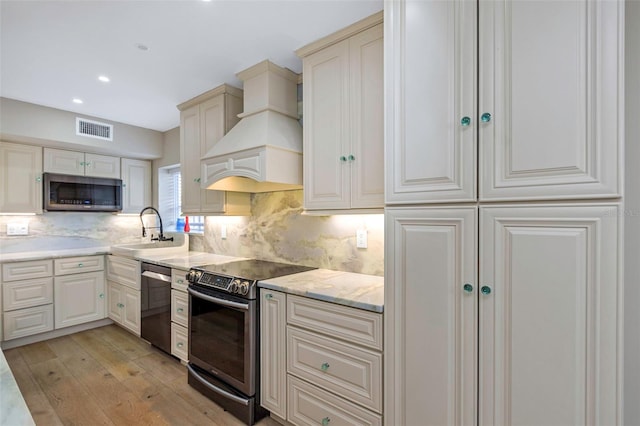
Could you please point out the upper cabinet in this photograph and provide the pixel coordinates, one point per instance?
(136, 185)
(20, 178)
(203, 122)
(343, 118)
(80, 163)
(549, 101)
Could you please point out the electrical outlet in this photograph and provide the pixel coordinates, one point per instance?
(18, 228)
(223, 232)
(361, 238)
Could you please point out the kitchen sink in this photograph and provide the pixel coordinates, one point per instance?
(180, 244)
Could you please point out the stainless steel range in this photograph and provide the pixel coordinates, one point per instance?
(223, 332)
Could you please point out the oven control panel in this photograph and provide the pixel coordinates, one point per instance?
(221, 282)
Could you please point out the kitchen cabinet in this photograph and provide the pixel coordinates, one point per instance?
(123, 292)
(79, 290)
(481, 315)
(136, 185)
(27, 294)
(343, 119)
(179, 315)
(203, 121)
(480, 89)
(80, 163)
(20, 178)
(320, 362)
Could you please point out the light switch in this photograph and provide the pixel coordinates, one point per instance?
(223, 232)
(361, 238)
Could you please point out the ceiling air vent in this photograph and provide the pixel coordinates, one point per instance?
(93, 129)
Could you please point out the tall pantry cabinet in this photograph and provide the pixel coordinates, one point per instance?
(503, 186)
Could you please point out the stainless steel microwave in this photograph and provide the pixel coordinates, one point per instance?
(81, 193)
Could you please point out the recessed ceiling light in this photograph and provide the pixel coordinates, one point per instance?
(77, 101)
(142, 47)
(104, 79)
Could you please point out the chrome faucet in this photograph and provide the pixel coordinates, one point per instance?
(161, 237)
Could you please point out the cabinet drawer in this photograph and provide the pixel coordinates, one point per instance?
(180, 308)
(25, 322)
(27, 293)
(179, 342)
(124, 271)
(27, 270)
(76, 265)
(309, 405)
(342, 322)
(344, 369)
(178, 280)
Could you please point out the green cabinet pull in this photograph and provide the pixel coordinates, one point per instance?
(82, 163)
(465, 121)
(268, 296)
(38, 179)
(324, 366)
(180, 281)
(180, 344)
(325, 421)
(485, 290)
(196, 180)
(101, 295)
(124, 185)
(87, 164)
(120, 305)
(80, 265)
(180, 310)
(468, 288)
(486, 117)
(351, 157)
(343, 158)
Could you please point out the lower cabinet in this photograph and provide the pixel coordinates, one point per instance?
(124, 306)
(28, 321)
(179, 315)
(321, 363)
(79, 298)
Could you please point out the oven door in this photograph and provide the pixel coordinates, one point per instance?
(222, 337)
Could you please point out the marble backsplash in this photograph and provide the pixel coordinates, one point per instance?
(277, 231)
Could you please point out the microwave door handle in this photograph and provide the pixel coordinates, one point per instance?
(195, 293)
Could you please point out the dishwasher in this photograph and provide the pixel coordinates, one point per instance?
(155, 306)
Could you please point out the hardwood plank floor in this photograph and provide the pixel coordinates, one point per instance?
(107, 376)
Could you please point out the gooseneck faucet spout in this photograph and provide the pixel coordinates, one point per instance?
(144, 230)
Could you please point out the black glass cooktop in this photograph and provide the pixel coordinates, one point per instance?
(254, 270)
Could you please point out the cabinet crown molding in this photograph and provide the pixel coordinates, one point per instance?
(220, 90)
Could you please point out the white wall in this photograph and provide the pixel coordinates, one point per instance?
(170, 157)
(632, 217)
(40, 125)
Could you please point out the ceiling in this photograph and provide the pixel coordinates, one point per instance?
(53, 51)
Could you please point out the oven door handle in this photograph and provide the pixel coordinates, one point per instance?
(157, 276)
(216, 389)
(195, 293)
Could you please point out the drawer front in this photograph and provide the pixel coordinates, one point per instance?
(179, 342)
(344, 369)
(25, 322)
(309, 405)
(178, 280)
(180, 308)
(342, 322)
(76, 265)
(27, 270)
(124, 271)
(26, 294)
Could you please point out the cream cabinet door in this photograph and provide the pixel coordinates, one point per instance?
(326, 128)
(212, 129)
(131, 309)
(549, 318)
(550, 78)
(79, 298)
(63, 161)
(136, 185)
(273, 351)
(431, 311)
(430, 84)
(20, 178)
(102, 166)
(114, 301)
(190, 159)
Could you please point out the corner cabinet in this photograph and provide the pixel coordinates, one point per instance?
(343, 118)
(136, 185)
(478, 89)
(20, 178)
(204, 120)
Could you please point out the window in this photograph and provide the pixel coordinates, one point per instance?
(170, 199)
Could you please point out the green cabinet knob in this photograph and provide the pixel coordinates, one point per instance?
(468, 288)
(486, 117)
(101, 296)
(38, 179)
(180, 281)
(343, 158)
(268, 296)
(465, 121)
(124, 185)
(485, 290)
(179, 310)
(120, 305)
(80, 265)
(87, 164)
(180, 344)
(325, 421)
(351, 157)
(324, 366)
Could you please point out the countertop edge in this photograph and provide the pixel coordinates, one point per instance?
(13, 408)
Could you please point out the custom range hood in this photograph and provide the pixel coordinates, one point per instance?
(263, 152)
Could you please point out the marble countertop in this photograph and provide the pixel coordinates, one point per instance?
(344, 288)
(189, 259)
(34, 248)
(13, 409)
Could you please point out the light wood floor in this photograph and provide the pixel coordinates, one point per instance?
(107, 376)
